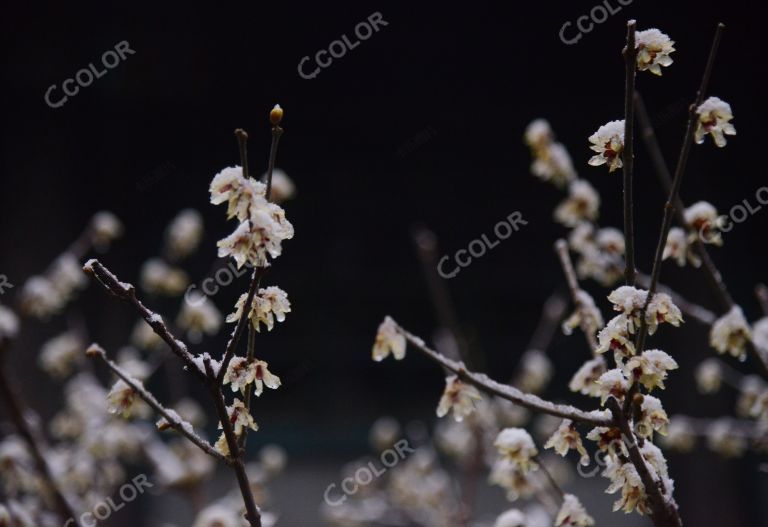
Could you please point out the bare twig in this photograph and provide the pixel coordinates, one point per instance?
(16, 414)
(690, 309)
(561, 247)
(97, 352)
(488, 385)
(628, 155)
(127, 293)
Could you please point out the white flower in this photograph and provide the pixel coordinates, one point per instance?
(124, 401)
(553, 163)
(388, 339)
(534, 372)
(679, 248)
(105, 228)
(508, 475)
(704, 222)
(198, 316)
(583, 203)
(572, 513)
(611, 241)
(723, 438)
(516, 445)
(510, 518)
(653, 50)
(240, 418)
(608, 142)
(9, 323)
(538, 134)
(585, 379)
(662, 309)
(714, 118)
(239, 373)
(582, 238)
(566, 438)
(269, 304)
(650, 369)
(751, 388)
(680, 435)
(629, 301)
(612, 384)
(709, 376)
(60, 355)
(159, 278)
(608, 439)
(183, 235)
(263, 377)
(586, 312)
(625, 477)
(256, 238)
(217, 515)
(283, 188)
(760, 333)
(40, 298)
(242, 194)
(459, 397)
(730, 333)
(615, 336)
(652, 418)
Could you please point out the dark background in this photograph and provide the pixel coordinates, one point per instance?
(145, 140)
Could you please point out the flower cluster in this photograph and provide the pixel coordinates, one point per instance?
(269, 304)
(551, 159)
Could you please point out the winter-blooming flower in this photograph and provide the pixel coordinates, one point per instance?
(388, 339)
(516, 445)
(572, 513)
(586, 312)
(565, 438)
(730, 333)
(653, 50)
(608, 142)
(583, 203)
(679, 248)
(240, 418)
(585, 379)
(459, 397)
(263, 377)
(269, 304)
(709, 376)
(624, 477)
(198, 316)
(652, 418)
(662, 309)
(615, 336)
(612, 384)
(650, 369)
(704, 221)
(240, 373)
(9, 323)
(123, 400)
(183, 235)
(714, 116)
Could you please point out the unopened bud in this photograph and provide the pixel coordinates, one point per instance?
(276, 115)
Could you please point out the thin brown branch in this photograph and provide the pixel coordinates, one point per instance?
(488, 385)
(16, 414)
(185, 429)
(690, 309)
(628, 154)
(561, 247)
(127, 293)
(663, 512)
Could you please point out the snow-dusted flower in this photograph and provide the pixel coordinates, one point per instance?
(572, 513)
(624, 477)
(269, 304)
(704, 222)
(679, 248)
(615, 336)
(198, 316)
(516, 445)
(183, 235)
(680, 435)
(586, 313)
(582, 238)
(607, 439)
(629, 301)
(608, 142)
(388, 339)
(662, 309)
(585, 379)
(650, 369)
(283, 188)
(105, 228)
(260, 235)
(723, 438)
(610, 240)
(459, 397)
(508, 475)
(653, 50)
(553, 163)
(583, 203)
(714, 116)
(39, 297)
(240, 418)
(709, 376)
(9, 323)
(124, 401)
(263, 377)
(511, 518)
(538, 134)
(730, 333)
(652, 418)
(159, 278)
(242, 194)
(534, 372)
(240, 373)
(612, 384)
(566, 438)
(60, 355)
